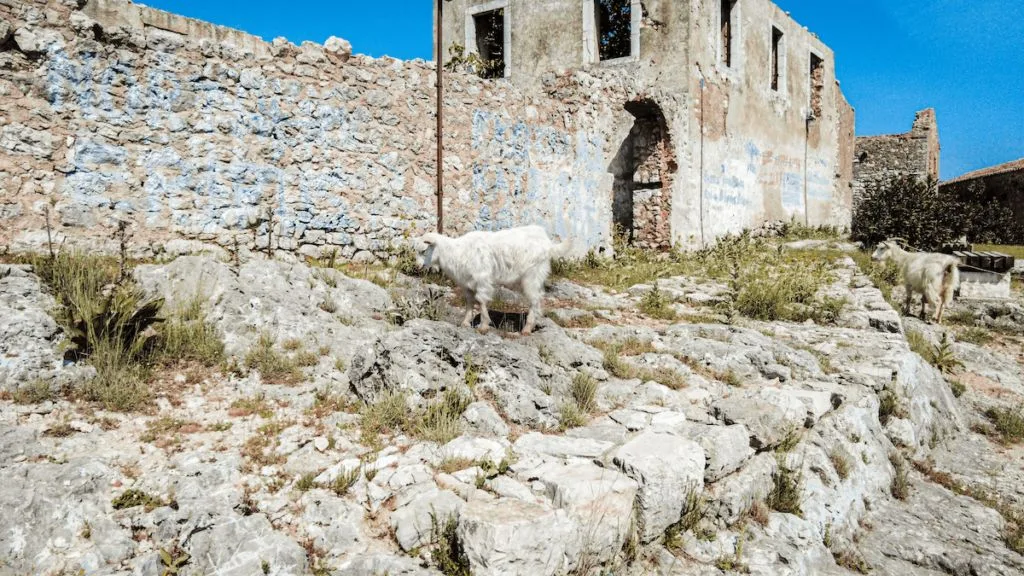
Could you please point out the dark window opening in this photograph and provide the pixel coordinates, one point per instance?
(727, 31)
(776, 45)
(614, 28)
(490, 43)
(817, 84)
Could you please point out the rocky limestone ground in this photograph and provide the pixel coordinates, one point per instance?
(618, 444)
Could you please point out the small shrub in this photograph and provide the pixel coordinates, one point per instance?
(616, 366)
(472, 375)
(790, 441)
(1008, 422)
(786, 487)
(656, 305)
(840, 462)
(900, 485)
(584, 392)
(759, 512)
(448, 554)
(328, 305)
(62, 430)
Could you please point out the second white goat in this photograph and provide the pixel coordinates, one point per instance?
(479, 262)
(934, 276)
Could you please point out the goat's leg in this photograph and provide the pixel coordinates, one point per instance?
(470, 299)
(535, 311)
(906, 300)
(485, 318)
(924, 305)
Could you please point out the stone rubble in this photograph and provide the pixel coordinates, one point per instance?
(292, 493)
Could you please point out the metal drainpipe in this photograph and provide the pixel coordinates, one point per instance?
(703, 244)
(439, 61)
(807, 137)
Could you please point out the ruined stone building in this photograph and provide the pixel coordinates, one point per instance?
(728, 112)
(879, 159)
(679, 120)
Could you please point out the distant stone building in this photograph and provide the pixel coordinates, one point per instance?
(733, 114)
(881, 158)
(1002, 184)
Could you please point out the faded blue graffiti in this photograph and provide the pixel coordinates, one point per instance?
(526, 174)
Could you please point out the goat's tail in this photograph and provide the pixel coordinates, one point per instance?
(950, 281)
(560, 250)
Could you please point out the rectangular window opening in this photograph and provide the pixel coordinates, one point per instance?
(817, 84)
(776, 48)
(490, 42)
(614, 28)
(728, 30)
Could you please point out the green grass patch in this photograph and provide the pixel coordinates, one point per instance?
(274, 367)
(1008, 423)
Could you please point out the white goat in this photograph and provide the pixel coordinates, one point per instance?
(935, 276)
(479, 262)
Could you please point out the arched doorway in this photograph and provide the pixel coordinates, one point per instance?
(644, 168)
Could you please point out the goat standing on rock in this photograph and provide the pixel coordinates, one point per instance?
(479, 262)
(935, 276)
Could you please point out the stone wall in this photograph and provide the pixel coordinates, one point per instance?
(878, 159)
(194, 132)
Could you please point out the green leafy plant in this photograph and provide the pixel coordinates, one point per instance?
(171, 561)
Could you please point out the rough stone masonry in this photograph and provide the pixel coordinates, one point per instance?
(201, 136)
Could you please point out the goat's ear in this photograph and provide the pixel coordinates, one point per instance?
(430, 239)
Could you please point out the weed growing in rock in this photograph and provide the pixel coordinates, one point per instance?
(440, 421)
(132, 497)
(61, 430)
(900, 486)
(851, 560)
(429, 305)
(840, 462)
(1008, 422)
(1013, 531)
(888, 406)
(187, 336)
(656, 304)
(328, 305)
(250, 406)
(583, 391)
(695, 508)
(957, 387)
(34, 393)
(448, 554)
(942, 356)
(273, 366)
(786, 489)
(449, 465)
(389, 414)
(306, 482)
(172, 560)
(345, 480)
(583, 320)
(472, 376)
(570, 416)
(258, 450)
(975, 335)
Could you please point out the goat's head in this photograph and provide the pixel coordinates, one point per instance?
(884, 250)
(424, 247)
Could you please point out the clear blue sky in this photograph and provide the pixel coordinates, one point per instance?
(965, 58)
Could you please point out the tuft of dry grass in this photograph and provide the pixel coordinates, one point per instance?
(273, 366)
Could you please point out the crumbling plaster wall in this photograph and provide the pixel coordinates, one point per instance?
(191, 131)
(878, 159)
(757, 156)
(739, 147)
